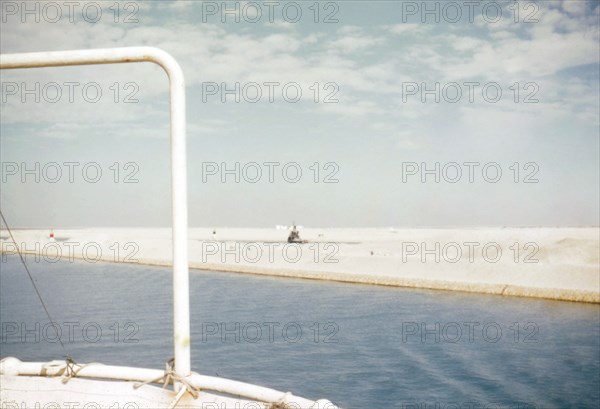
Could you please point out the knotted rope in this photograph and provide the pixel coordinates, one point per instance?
(171, 377)
(67, 370)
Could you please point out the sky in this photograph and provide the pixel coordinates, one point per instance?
(329, 114)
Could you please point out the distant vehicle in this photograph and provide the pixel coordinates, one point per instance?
(294, 236)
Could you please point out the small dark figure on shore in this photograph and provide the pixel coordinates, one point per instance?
(294, 236)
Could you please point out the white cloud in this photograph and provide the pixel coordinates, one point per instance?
(354, 43)
(465, 43)
(174, 6)
(353, 108)
(575, 7)
(557, 42)
(212, 52)
(406, 140)
(408, 28)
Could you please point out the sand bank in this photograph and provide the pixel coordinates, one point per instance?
(554, 263)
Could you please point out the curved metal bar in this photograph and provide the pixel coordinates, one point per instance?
(181, 303)
(14, 367)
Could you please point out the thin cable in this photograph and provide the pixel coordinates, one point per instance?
(33, 282)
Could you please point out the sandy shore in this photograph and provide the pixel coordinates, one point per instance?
(554, 263)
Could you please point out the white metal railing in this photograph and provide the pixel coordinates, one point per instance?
(181, 297)
(13, 366)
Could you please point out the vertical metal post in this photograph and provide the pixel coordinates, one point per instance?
(181, 296)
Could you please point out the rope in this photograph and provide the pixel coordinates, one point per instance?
(70, 370)
(171, 377)
(177, 398)
(35, 287)
(67, 370)
(281, 403)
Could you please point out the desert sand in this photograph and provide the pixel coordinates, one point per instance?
(553, 263)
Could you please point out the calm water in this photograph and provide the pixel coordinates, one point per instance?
(359, 346)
